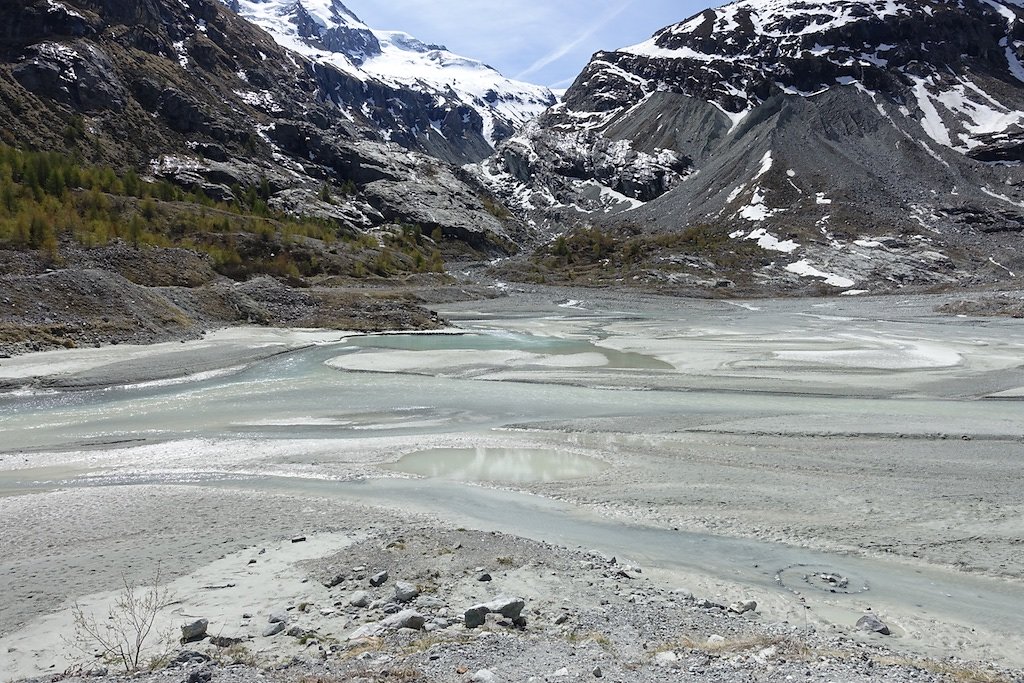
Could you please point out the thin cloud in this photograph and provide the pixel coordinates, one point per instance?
(564, 50)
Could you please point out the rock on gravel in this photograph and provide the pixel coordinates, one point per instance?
(869, 622)
(273, 629)
(379, 579)
(405, 619)
(508, 607)
(194, 631)
(405, 592)
(359, 599)
(743, 606)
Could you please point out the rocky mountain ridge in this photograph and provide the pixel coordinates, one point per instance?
(467, 97)
(858, 145)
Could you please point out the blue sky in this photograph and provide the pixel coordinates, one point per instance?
(540, 41)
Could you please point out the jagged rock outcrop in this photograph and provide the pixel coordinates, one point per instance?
(842, 145)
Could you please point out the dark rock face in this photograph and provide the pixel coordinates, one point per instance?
(852, 143)
(189, 92)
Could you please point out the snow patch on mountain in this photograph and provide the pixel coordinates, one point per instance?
(327, 32)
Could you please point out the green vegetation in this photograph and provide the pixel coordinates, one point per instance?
(47, 199)
(590, 255)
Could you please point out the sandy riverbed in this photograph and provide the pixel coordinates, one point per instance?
(865, 428)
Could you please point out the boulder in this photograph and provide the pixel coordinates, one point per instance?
(405, 619)
(194, 631)
(405, 592)
(743, 606)
(359, 599)
(871, 623)
(379, 579)
(273, 629)
(508, 607)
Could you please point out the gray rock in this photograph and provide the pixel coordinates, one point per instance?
(510, 608)
(430, 602)
(869, 622)
(484, 676)
(484, 577)
(273, 629)
(506, 606)
(200, 676)
(597, 672)
(743, 606)
(359, 599)
(405, 619)
(476, 616)
(379, 579)
(405, 592)
(277, 617)
(194, 631)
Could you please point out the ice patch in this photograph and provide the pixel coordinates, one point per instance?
(804, 269)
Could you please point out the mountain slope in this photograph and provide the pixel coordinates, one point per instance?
(185, 90)
(855, 144)
(327, 32)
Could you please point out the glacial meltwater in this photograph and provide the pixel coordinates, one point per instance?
(784, 435)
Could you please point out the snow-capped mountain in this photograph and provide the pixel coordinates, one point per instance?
(327, 32)
(850, 143)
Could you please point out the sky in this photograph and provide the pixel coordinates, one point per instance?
(539, 41)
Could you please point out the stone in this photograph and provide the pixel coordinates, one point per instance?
(871, 623)
(405, 592)
(297, 632)
(200, 676)
(430, 602)
(484, 577)
(510, 608)
(194, 631)
(667, 660)
(484, 676)
(743, 606)
(405, 619)
(476, 616)
(299, 539)
(273, 629)
(359, 599)
(506, 606)
(190, 657)
(379, 579)
(597, 672)
(715, 639)
(277, 617)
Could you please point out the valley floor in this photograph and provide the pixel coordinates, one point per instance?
(826, 458)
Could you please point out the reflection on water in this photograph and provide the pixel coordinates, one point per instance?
(516, 465)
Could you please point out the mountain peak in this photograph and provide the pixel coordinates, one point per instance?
(326, 31)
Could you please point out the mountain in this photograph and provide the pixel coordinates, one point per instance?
(788, 145)
(176, 153)
(187, 91)
(474, 94)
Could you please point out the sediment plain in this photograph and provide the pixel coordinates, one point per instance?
(826, 458)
